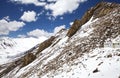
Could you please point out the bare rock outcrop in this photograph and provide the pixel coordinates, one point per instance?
(101, 9)
(45, 44)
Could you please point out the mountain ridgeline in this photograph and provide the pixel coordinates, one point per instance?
(100, 10)
(68, 47)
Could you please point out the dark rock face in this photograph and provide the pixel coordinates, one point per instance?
(73, 29)
(96, 70)
(9, 67)
(30, 57)
(45, 44)
(119, 77)
(104, 8)
(101, 9)
(20, 62)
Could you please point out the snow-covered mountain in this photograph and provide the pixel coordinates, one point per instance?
(89, 49)
(12, 47)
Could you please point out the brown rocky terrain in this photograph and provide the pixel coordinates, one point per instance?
(67, 47)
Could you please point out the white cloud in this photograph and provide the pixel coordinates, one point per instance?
(39, 33)
(51, 0)
(29, 16)
(58, 28)
(40, 13)
(6, 26)
(21, 36)
(71, 23)
(57, 7)
(6, 18)
(61, 18)
(51, 18)
(35, 2)
(60, 7)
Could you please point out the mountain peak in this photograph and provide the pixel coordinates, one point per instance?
(79, 52)
(103, 8)
(98, 11)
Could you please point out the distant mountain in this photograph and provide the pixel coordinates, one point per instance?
(11, 47)
(83, 51)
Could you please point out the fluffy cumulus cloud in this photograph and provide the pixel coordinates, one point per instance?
(6, 26)
(58, 28)
(60, 7)
(35, 2)
(29, 16)
(38, 33)
(57, 7)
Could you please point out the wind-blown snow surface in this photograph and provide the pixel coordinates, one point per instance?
(98, 63)
(10, 48)
(80, 56)
(85, 66)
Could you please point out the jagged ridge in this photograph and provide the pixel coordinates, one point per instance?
(65, 50)
(101, 9)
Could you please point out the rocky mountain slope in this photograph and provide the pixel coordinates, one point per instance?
(79, 52)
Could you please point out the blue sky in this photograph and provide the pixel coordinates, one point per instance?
(21, 18)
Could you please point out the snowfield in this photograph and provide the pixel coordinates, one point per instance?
(93, 51)
(9, 48)
(100, 63)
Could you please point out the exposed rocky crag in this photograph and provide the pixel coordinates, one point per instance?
(62, 55)
(100, 10)
(45, 44)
